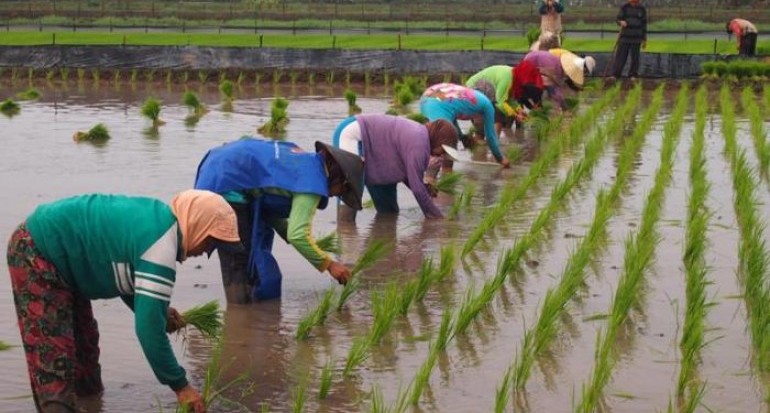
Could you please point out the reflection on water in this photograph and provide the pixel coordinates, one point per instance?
(260, 355)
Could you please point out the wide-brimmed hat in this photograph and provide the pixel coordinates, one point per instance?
(573, 67)
(353, 169)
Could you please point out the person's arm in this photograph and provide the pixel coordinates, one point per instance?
(543, 8)
(153, 285)
(558, 96)
(415, 172)
(298, 231)
(280, 225)
(503, 91)
(489, 129)
(621, 17)
(558, 7)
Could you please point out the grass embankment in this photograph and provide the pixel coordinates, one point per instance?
(350, 41)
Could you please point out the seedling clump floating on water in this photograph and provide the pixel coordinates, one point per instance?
(276, 125)
(151, 110)
(350, 96)
(29, 94)
(10, 108)
(98, 133)
(190, 99)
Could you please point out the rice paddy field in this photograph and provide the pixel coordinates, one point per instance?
(620, 265)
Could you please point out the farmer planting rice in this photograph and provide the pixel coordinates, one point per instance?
(558, 68)
(452, 102)
(277, 187)
(745, 35)
(395, 150)
(103, 246)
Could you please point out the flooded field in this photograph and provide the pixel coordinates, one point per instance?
(557, 253)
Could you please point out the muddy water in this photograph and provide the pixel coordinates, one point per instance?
(41, 163)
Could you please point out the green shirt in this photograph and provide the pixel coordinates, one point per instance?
(500, 76)
(296, 230)
(107, 246)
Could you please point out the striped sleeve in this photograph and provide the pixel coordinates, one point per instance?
(155, 272)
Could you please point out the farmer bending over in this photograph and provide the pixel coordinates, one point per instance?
(87, 247)
(745, 34)
(273, 187)
(395, 150)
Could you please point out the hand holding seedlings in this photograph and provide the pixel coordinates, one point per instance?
(339, 272)
(188, 396)
(174, 320)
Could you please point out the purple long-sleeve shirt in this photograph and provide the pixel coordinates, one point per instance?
(397, 150)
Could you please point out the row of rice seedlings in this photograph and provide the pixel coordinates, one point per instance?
(766, 97)
(736, 69)
(299, 396)
(758, 133)
(438, 345)
(640, 251)
(694, 326)
(276, 125)
(550, 154)
(462, 200)
(538, 339)
(753, 254)
(473, 303)
(510, 258)
(317, 316)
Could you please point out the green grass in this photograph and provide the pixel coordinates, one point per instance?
(351, 41)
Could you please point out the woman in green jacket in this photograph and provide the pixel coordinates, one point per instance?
(89, 247)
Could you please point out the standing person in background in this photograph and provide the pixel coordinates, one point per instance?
(745, 34)
(98, 246)
(632, 19)
(550, 17)
(397, 150)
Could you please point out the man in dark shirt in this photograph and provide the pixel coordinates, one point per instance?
(632, 20)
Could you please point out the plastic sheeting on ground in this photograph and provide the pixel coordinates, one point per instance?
(661, 65)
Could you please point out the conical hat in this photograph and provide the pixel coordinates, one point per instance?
(573, 67)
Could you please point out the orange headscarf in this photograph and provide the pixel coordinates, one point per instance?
(203, 214)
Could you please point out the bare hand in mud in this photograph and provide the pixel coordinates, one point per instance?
(339, 272)
(174, 320)
(432, 190)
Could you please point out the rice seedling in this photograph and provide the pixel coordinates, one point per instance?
(151, 110)
(49, 75)
(315, 317)
(330, 77)
(347, 78)
(294, 77)
(81, 74)
(367, 79)
(185, 77)
(358, 353)
(424, 279)
(206, 318)
(222, 76)
(169, 77)
(447, 182)
(226, 89)
(29, 94)
(203, 76)
(437, 345)
(276, 125)
(514, 154)
(640, 250)
(97, 134)
(30, 75)
(299, 396)
(95, 75)
(326, 379)
(311, 78)
(503, 393)
(384, 310)
(10, 108)
(190, 99)
(5, 346)
(386, 79)
(350, 97)
(408, 294)
(277, 76)
(134, 76)
(64, 74)
(375, 251)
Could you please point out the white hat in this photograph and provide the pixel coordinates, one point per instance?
(590, 64)
(573, 67)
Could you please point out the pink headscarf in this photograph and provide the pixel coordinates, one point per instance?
(203, 214)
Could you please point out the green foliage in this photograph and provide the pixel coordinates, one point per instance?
(276, 125)
(350, 97)
(533, 33)
(326, 380)
(5, 346)
(190, 99)
(96, 134)
(417, 117)
(448, 182)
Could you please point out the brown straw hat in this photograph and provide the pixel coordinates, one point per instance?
(353, 169)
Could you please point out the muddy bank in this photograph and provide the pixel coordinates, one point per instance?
(654, 65)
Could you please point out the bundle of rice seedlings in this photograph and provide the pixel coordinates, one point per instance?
(29, 94)
(276, 125)
(98, 133)
(9, 107)
(447, 182)
(351, 97)
(151, 110)
(226, 88)
(206, 318)
(4, 346)
(190, 99)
